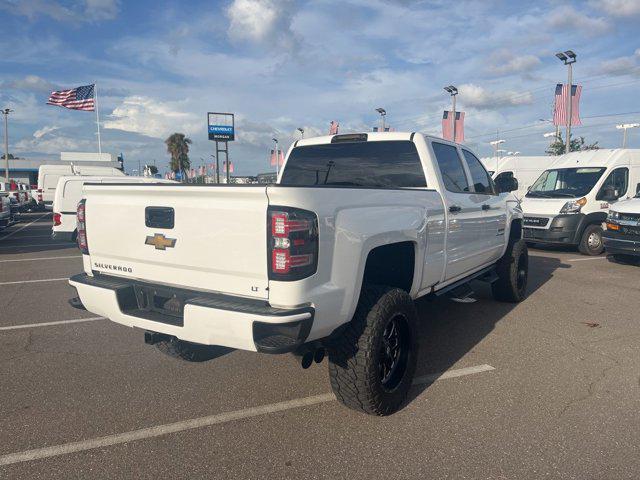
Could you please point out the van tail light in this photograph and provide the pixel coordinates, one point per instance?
(56, 219)
(292, 243)
(82, 228)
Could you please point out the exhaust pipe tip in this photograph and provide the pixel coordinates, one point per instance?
(318, 355)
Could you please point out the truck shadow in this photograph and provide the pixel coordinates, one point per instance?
(449, 330)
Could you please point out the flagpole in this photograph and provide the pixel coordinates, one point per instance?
(95, 96)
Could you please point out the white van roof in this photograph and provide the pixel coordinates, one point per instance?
(603, 157)
(511, 162)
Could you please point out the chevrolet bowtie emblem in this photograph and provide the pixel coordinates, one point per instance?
(160, 241)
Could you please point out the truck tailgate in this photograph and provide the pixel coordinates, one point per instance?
(218, 241)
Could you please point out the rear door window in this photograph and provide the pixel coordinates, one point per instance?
(481, 181)
(451, 168)
(385, 164)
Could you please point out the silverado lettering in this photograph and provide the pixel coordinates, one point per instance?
(115, 268)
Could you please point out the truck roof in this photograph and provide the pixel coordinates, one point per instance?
(371, 137)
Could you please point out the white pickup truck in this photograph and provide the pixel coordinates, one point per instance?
(328, 259)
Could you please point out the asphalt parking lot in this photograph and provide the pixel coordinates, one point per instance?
(549, 388)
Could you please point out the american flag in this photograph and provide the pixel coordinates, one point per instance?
(224, 166)
(560, 113)
(447, 126)
(333, 128)
(81, 98)
(279, 158)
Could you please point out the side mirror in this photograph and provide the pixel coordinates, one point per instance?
(507, 184)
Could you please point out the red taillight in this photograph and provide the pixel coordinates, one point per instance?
(82, 228)
(56, 219)
(293, 243)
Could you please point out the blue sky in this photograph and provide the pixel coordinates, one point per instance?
(283, 64)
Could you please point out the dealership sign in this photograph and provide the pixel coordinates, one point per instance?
(221, 127)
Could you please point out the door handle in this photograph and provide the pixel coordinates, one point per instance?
(455, 208)
(486, 207)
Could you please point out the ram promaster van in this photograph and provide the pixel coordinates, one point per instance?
(569, 202)
(524, 169)
(48, 176)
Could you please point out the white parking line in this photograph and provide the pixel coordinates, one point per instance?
(20, 237)
(191, 424)
(35, 281)
(39, 258)
(585, 259)
(48, 324)
(23, 227)
(64, 244)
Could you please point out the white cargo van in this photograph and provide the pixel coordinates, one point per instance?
(68, 193)
(567, 204)
(524, 169)
(48, 176)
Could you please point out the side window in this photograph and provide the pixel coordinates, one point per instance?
(450, 165)
(618, 180)
(481, 180)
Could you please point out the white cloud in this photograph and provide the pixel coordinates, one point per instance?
(618, 8)
(478, 97)
(505, 62)
(29, 83)
(44, 131)
(567, 17)
(151, 117)
(79, 11)
(621, 66)
(262, 22)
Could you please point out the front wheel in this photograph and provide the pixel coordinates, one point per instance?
(373, 359)
(513, 274)
(591, 241)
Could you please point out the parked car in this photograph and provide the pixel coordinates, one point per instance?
(330, 259)
(525, 169)
(569, 202)
(48, 176)
(622, 230)
(5, 211)
(69, 193)
(12, 189)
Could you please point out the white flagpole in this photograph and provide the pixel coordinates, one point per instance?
(95, 96)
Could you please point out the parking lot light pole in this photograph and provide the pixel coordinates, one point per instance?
(6, 113)
(383, 113)
(495, 144)
(275, 140)
(453, 91)
(569, 58)
(624, 127)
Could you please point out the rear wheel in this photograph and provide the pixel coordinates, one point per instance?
(591, 241)
(513, 273)
(373, 360)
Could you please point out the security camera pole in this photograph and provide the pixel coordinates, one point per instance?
(383, 113)
(453, 91)
(6, 113)
(569, 58)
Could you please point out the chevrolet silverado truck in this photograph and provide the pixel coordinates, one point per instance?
(327, 260)
(622, 230)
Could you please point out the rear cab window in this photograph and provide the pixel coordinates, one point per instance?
(374, 164)
(451, 168)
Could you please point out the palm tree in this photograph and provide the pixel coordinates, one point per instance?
(178, 148)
